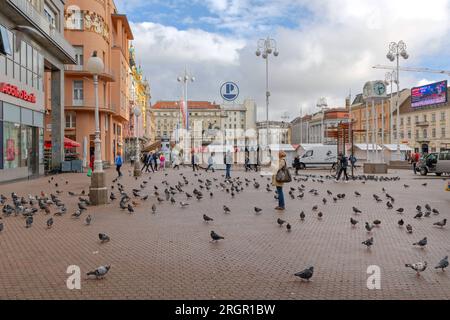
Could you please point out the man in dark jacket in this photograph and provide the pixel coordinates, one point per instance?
(155, 160)
(296, 164)
(343, 164)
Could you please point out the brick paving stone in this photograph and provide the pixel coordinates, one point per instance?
(168, 255)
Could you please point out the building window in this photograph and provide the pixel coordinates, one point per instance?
(79, 57)
(433, 117)
(425, 133)
(417, 119)
(11, 145)
(443, 116)
(50, 16)
(424, 118)
(409, 121)
(78, 94)
(433, 133)
(443, 132)
(401, 121)
(417, 134)
(76, 20)
(71, 120)
(409, 134)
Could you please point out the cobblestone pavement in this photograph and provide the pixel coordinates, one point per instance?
(168, 255)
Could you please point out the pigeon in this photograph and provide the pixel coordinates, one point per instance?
(305, 274)
(427, 206)
(302, 216)
(356, 210)
(369, 227)
(422, 243)
(409, 228)
(357, 194)
(1, 226)
(207, 219)
(280, 222)
(184, 204)
(353, 222)
(29, 222)
(418, 267)
(100, 272)
(103, 237)
(130, 208)
(320, 215)
(215, 236)
(389, 205)
(88, 220)
(153, 208)
(112, 196)
(314, 208)
(288, 227)
(368, 243)
(442, 264)
(441, 223)
(424, 184)
(401, 223)
(377, 223)
(435, 211)
(77, 214)
(257, 210)
(418, 215)
(82, 205)
(419, 208)
(400, 210)
(49, 223)
(226, 209)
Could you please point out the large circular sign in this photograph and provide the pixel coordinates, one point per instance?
(229, 91)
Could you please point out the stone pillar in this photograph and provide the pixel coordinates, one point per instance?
(57, 99)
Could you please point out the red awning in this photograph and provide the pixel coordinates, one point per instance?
(68, 143)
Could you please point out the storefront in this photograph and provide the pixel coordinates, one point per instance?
(21, 142)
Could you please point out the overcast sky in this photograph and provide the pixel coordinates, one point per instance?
(327, 47)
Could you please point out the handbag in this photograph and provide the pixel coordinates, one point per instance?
(283, 175)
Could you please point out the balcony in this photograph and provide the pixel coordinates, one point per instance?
(80, 70)
(422, 123)
(87, 105)
(25, 14)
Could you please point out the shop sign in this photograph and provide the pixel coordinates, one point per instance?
(14, 91)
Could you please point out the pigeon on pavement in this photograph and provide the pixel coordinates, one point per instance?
(305, 274)
(442, 264)
(100, 272)
(418, 267)
(215, 237)
(422, 243)
(103, 237)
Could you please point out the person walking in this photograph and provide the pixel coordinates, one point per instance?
(228, 163)
(162, 161)
(155, 160)
(279, 184)
(353, 160)
(149, 161)
(144, 161)
(343, 164)
(414, 160)
(210, 163)
(296, 164)
(193, 161)
(118, 162)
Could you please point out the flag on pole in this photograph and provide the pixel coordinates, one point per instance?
(183, 114)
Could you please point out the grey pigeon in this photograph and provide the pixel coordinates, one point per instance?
(153, 208)
(88, 220)
(103, 237)
(356, 210)
(442, 264)
(288, 227)
(29, 222)
(418, 267)
(441, 223)
(100, 272)
(305, 274)
(258, 210)
(353, 222)
(49, 223)
(207, 219)
(226, 209)
(422, 243)
(369, 227)
(368, 243)
(401, 223)
(409, 228)
(280, 222)
(215, 236)
(400, 210)
(302, 216)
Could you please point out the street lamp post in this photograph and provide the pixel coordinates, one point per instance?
(185, 79)
(137, 113)
(322, 104)
(390, 79)
(265, 48)
(397, 50)
(98, 193)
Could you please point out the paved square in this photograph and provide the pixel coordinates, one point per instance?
(168, 255)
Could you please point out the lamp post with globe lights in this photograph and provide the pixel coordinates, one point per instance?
(137, 113)
(98, 191)
(265, 48)
(185, 79)
(397, 50)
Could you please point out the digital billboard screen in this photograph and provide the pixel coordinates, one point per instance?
(434, 93)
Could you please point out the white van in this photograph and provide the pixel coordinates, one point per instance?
(319, 156)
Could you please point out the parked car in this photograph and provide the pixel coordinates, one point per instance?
(319, 156)
(436, 162)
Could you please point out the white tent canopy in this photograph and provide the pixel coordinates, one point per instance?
(393, 147)
(281, 147)
(370, 147)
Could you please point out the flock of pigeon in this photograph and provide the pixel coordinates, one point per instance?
(180, 194)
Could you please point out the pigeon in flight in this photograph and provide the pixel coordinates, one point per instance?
(305, 274)
(100, 272)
